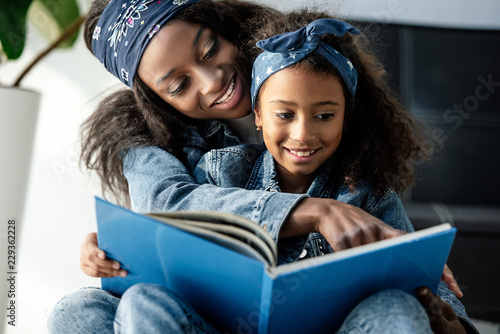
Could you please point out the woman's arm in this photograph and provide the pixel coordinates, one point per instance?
(446, 313)
(93, 261)
(343, 225)
(160, 182)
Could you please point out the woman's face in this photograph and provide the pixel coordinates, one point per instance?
(197, 72)
(302, 118)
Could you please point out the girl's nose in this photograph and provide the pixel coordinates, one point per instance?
(210, 79)
(303, 131)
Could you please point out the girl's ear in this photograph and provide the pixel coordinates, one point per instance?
(258, 119)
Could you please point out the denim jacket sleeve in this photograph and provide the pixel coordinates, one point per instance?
(160, 182)
(449, 297)
(390, 210)
(386, 206)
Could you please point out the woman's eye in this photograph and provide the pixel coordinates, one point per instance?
(176, 88)
(284, 115)
(325, 116)
(214, 44)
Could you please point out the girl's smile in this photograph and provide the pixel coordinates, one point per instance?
(301, 113)
(302, 155)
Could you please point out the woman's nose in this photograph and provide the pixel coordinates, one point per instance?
(210, 79)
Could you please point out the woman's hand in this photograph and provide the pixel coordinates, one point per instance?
(449, 279)
(442, 318)
(93, 260)
(343, 225)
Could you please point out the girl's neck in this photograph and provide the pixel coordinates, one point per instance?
(290, 183)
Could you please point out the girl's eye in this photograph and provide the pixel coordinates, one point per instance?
(214, 44)
(325, 116)
(176, 88)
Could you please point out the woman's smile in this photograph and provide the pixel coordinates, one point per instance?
(197, 72)
(231, 96)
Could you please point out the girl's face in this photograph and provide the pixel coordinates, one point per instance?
(196, 72)
(302, 116)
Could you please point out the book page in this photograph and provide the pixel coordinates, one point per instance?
(232, 237)
(225, 219)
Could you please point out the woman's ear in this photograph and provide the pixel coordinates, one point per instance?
(344, 126)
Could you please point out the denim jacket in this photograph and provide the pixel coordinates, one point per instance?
(252, 167)
(256, 170)
(158, 181)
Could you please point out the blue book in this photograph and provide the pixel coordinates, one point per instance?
(225, 267)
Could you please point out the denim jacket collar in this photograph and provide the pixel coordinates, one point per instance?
(202, 132)
(264, 176)
(323, 185)
(204, 129)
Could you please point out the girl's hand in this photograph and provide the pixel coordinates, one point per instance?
(343, 225)
(93, 261)
(449, 279)
(443, 319)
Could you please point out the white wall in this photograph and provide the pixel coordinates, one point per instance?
(480, 14)
(59, 203)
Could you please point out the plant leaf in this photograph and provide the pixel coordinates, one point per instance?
(51, 17)
(13, 26)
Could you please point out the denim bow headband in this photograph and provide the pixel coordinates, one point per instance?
(284, 50)
(125, 29)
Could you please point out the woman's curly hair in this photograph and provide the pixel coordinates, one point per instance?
(381, 141)
(138, 117)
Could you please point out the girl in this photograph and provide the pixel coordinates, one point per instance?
(307, 103)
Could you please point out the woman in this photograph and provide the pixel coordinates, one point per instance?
(144, 147)
(213, 75)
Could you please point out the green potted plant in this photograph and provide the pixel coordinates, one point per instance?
(59, 22)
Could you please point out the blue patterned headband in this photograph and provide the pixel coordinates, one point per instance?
(125, 29)
(284, 50)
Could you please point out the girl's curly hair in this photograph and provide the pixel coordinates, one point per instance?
(381, 141)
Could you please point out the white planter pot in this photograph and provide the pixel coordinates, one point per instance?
(18, 117)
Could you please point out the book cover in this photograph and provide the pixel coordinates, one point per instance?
(240, 291)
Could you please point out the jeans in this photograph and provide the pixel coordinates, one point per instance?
(88, 310)
(150, 308)
(143, 308)
(389, 311)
